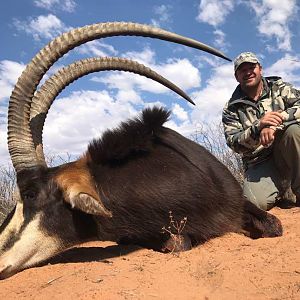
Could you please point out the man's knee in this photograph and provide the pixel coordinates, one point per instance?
(288, 140)
(257, 196)
(292, 132)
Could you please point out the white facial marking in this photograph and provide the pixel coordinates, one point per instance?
(33, 247)
(13, 226)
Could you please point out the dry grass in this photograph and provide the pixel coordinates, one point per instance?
(212, 138)
(7, 186)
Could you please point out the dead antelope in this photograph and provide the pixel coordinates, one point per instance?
(124, 186)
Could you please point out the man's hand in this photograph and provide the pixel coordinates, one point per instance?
(267, 136)
(273, 118)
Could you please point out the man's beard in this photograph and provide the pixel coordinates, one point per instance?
(252, 84)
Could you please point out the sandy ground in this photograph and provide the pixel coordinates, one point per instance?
(229, 267)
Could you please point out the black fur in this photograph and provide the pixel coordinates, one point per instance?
(145, 170)
(131, 138)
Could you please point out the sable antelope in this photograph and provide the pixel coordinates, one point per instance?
(124, 186)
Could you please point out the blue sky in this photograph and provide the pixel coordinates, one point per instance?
(270, 28)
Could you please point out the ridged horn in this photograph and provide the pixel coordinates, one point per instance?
(20, 143)
(45, 96)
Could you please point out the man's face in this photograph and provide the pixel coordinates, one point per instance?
(248, 75)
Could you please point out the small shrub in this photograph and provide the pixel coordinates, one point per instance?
(177, 240)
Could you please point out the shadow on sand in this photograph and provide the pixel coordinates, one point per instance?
(92, 253)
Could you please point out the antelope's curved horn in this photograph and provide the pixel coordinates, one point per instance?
(45, 96)
(20, 143)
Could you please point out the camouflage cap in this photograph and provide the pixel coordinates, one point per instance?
(245, 57)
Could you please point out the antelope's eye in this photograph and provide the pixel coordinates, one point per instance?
(29, 196)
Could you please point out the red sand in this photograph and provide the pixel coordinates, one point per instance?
(230, 267)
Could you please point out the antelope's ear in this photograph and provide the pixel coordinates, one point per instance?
(88, 204)
(79, 189)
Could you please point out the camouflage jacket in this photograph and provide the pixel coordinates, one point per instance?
(241, 117)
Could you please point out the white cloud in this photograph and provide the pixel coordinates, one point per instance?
(210, 100)
(274, 18)
(220, 39)
(128, 96)
(179, 71)
(3, 112)
(42, 27)
(163, 15)
(65, 5)
(211, 61)
(4, 156)
(69, 130)
(147, 56)
(214, 12)
(9, 73)
(97, 48)
(75, 120)
(287, 67)
(180, 113)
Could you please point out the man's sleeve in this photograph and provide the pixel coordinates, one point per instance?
(237, 138)
(291, 98)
